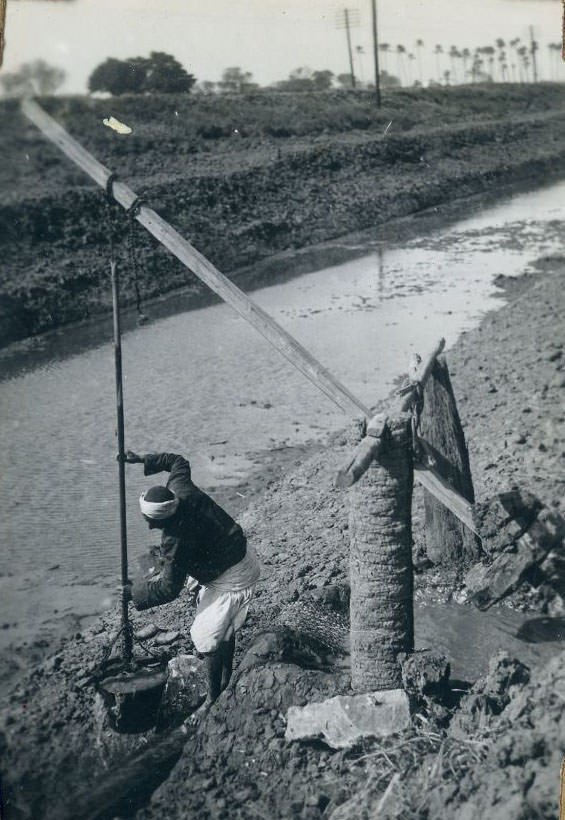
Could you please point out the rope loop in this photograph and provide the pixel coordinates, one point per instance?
(135, 207)
(404, 389)
(127, 632)
(112, 177)
(416, 410)
(131, 212)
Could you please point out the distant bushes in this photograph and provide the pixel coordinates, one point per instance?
(160, 73)
(197, 120)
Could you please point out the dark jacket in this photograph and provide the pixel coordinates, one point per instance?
(201, 539)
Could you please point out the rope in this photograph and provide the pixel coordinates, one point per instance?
(416, 411)
(145, 648)
(112, 177)
(135, 207)
(107, 651)
(109, 191)
(132, 212)
(127, 631)
(417, 407)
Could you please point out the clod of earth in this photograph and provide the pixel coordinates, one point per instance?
(526, 534)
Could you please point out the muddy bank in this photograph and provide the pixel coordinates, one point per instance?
(241, 196)
(515, 362)
(498, 754)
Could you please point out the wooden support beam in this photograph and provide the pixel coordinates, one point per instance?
(429, 478)
(443, 439)
(199, 265)
(445, 494)
(368, 448)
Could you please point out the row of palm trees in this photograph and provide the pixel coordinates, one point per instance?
(512, 61)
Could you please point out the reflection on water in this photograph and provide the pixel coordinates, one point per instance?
(469, 637)
(381, 268)
(542, 630)
(205, 384)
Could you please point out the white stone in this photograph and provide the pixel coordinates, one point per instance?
(342, 721)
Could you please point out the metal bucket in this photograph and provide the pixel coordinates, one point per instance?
(133, 698)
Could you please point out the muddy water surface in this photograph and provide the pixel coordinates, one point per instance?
(206, 384)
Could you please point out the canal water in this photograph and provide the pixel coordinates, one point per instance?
(205, 384)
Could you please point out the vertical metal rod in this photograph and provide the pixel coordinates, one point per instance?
(127, 636)
(349, 47)
(376, 53)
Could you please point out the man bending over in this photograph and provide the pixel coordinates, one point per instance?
(201, 540)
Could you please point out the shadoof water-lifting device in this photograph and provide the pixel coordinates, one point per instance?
(130, 680)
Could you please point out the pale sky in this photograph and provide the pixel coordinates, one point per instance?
(269, 38)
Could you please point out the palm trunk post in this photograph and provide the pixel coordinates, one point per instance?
(380, 523)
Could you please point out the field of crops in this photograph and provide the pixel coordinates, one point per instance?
(244, 177)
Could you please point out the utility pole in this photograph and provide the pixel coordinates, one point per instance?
(376, 52)
(533, 49)
(349, 47)
(346, 19)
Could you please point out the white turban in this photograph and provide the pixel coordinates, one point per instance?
(158, 510)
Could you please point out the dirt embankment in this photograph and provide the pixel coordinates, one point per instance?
(498, 754)
(245, 178)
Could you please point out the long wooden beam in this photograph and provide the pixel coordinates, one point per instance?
(199, 265)
(367, 451)
(211, 276)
